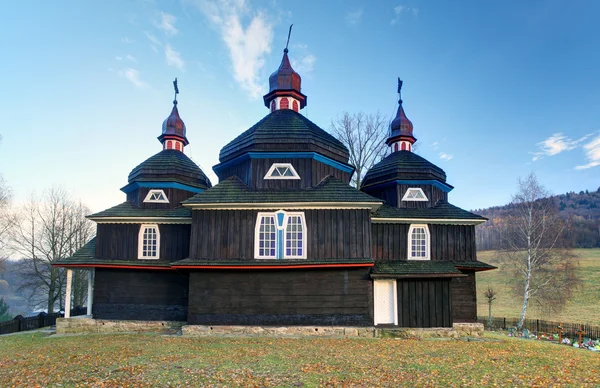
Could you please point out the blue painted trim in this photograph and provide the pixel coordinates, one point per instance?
(160, 185)
(440, 185)
(287, 155)
(280, 244)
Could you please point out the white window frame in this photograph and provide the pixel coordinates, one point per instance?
(427, 245)
(280, 243)
(279, 165)
(143, 228)
(405, 197)
(156, 191)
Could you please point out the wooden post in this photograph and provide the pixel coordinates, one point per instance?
(90, 295)
(560, 332)
(68, 293)
(580, 332)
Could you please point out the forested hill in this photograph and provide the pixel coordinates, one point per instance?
(580, 210)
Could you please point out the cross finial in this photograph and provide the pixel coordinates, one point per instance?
(399, 89)
(176, 91)
(288, 39)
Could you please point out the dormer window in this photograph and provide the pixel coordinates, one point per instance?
(282, 171)
(149, 242)
(418, 242)
(156, 196)
(414, 194)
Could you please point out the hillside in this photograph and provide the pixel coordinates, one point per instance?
(580, 210)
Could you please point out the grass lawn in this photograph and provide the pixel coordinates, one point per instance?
(133, 360)
(583, 308)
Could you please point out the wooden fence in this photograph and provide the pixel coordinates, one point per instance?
(20, 323)
(541, 326)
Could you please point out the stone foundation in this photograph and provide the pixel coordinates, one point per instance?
(456, 331)
(284, 331)
(89, 325)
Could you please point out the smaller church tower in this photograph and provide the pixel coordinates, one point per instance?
(173, 128)
(401, 129)
(285, 86)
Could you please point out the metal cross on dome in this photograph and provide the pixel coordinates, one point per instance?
(176, 91)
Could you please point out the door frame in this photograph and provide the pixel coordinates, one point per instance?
(394, 301)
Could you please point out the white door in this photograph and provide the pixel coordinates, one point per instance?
(384, 293)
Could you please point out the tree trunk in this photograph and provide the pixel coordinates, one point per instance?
(52, 291)
(525, 300)
(490, 315)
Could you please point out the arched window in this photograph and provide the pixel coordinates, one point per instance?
(295, 106)
(169, 145)
(273, 106)
(403, 146)
(284, 103)
(395, 147)
(178, 146)
(418, 242)
(149, 242)
(280, 235)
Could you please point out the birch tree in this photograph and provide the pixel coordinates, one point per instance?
(535, 249)
(364, 135)
(50, 228)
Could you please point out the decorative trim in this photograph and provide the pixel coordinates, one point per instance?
(141, 233)
(440, 185)
(337, 265)
(141, 220)
(154, 192)
(418, 190)
(114, 266)
(448, 221)
(409, 276)
(160, 185)
(284, 205)
(427, 256)
(474, 269)
(269, 174)
(285, 155)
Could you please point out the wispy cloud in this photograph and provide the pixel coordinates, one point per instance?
(127, 40)
(592, 154)
(556, 144)
(401, 10)
(174, 58)
(354, 17)
(131, 58)
(155, 43)
(119, 58)
(133, 76)
(248, 43)
(305, 64)
(445, 156)
(167, 23)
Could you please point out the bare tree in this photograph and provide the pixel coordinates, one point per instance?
(364, 135)
(535, 249)
(6, 219)
(490, 295)
(50, 228)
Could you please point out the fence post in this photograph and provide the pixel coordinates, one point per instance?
(504, 325)
(537, 324)
(41, 319)
(19, 319)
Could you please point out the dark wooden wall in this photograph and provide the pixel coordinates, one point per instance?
(120, 241)
(285, 297)
(392, 195)
(464, 298)
(175, 197)
(424, 303)
(332, 234)
(311, 172)
(448, 242)
(140, 295)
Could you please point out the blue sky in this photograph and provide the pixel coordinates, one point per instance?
(495, 89)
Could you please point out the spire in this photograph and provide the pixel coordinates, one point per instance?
(401, 128)
(285, 85)
(173, 128)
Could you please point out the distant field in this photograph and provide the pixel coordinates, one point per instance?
(583, 308)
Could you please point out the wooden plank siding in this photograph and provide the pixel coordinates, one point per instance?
(311, 172)
(175, 197)
(424, 303)
(299, 297)
(464, 298)
(140, 294)
(120, 241)
(448, 242)
(331, 234)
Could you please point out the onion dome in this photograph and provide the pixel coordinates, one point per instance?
(173, 128)
(285, 87)
(170, 165)
(401, 128)
(285, 131)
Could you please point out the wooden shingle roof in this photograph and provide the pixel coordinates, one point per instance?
(442, 210)
(128, 209)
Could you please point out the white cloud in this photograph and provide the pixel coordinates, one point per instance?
(127, 40)
(556, 144)
(155, 42)
(305, 64)
(592, 154)
(445, 156)
(354, 17)
(131, 58)
(166, 23)
(403, 10)
(248, 43)
(174, 57)
(119, 58)
(133, 76)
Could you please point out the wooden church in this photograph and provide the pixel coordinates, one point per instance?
(283, 239)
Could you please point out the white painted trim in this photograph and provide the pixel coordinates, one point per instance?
(141, 220)
(282, 228)
(141, 241)
(90, 295)
(394, 301)
(278, 165)
(68, 293)
(285, 205)
(156, 191)
(259, 216)
(304, 233)
(427, 245)
(405, 197)
(448, 221)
